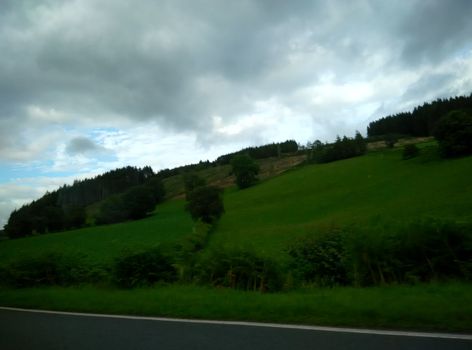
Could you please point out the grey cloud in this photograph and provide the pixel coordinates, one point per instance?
(183, 62)
(436, 29)
(438, 85)
(83, 145)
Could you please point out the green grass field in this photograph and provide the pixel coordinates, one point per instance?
(100, 244)
(376, 190)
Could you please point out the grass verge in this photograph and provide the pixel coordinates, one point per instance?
(428, 307)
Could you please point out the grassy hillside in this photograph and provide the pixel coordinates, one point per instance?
(100, 244)
(377, 189)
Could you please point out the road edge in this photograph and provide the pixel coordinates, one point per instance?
(253, 324)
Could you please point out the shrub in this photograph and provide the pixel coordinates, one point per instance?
(421, 251)
(144, 268)
(49, 269)
(206, 204)
(435, 249)
(240, 269)
(454, 133)
(245, 169)
(156, 187)
(112, 210)
(390, 140)
(320, 259)
(138, 202)
(414, 252)
(191, 182)
(410, 151)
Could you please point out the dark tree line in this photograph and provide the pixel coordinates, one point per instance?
(260, 152)
(133, 204)
(421, 121)
(65, 208)
(342, 148)
(88, 191)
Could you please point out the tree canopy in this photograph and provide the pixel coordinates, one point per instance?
(206, 204)
(421, 121)
(454, 133)
(245, 169)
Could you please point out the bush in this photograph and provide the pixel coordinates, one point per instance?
(435, 249)
(240, 269)
(144, 268)
(320, 259)
(49, 269)
(410, 151)
(422, 251)
(245, 169)
(454, 133)
(156, 187)
(414, 252)
(191, 182)
(206, 204)
(139, 201)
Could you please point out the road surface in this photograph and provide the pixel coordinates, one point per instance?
(32, 329)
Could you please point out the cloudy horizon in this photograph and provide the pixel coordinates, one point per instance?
(89, 86)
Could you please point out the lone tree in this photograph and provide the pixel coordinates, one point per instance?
(245, 169)
(191, 182)
(206, 203)
(454, 133)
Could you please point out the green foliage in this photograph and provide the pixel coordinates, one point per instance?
(145, 268)
(112, 210)
(206, 204)
(320, 259)
(187, 250)
(156, 187)
(341, 149)
(240, 269)
(391, 140)
(245, 169)
(454, 133)
(65, 208)
(262, 152)
(191, 182)
(410, 151)
(421, 121)
(418, 252)
(50, 269)
(139, 201)
(75, 217)
(134, 204)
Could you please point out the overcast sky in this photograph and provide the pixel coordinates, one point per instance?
(92, 85)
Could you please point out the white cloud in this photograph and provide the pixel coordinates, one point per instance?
(171, 82)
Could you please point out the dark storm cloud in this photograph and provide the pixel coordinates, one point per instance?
(436, 29)
(182, 63)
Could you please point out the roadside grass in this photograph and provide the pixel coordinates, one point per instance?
(101, 244)
(427, 307)
(379, 189)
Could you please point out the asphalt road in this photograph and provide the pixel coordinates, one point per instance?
(44, 330)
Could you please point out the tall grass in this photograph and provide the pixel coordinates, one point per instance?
(443, 307)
